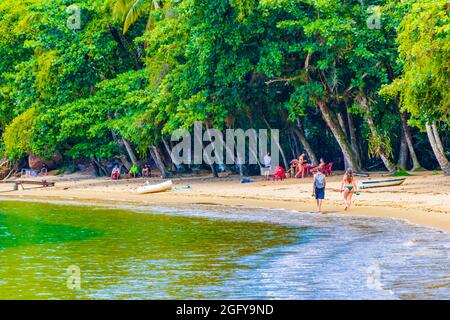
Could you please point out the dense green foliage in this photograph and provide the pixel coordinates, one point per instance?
(18, 135)
(136, 70)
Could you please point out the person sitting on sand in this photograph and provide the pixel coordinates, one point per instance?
(319, 184)
(146, 171)
(44, 169)
(302, 165)
(134, 171)
(267, 166)
(292, 168)
(322, 164)
(348, 187)
(115, 174)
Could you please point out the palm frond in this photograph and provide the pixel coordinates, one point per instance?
(136, 10)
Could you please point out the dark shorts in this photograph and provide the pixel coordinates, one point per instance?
(320, 193)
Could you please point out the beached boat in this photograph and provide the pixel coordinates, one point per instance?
(155, 187)
(380, 183)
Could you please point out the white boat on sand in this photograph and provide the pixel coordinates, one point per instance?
(155, 187)
(381, 183)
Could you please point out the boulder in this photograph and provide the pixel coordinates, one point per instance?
(35, 161)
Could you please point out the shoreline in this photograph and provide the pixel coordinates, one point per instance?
(405, 202)
(137, 207)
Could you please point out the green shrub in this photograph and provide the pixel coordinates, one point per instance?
(18, 135)
(402, 173)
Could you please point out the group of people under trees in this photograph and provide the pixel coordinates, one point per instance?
(298, 168)
(301, 167)
(132, 173)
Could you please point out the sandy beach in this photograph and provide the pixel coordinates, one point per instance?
(423, 199)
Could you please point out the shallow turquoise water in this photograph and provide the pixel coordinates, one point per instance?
(214, 252)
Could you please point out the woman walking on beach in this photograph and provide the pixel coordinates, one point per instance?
(319, 185)
(348, 187)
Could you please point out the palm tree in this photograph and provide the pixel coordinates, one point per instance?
(131, 10)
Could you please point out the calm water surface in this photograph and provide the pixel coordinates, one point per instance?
(215, 252)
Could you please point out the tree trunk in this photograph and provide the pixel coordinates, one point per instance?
(123, 158)
(353, 139)
(403, 153)
(436, 146)
(339, 135)
(130, 152)
(387, 162)
(301, 136)
(210, 162)
(127, 164)
(3, 163)
(229, 154)
(169, 152)
(409, 141)
(13, 170)
(296, 146)
(154, 152)
(438, 139)
(278, 145)
(99, 166)
(341, 122)
(240, 165)
(291, 144)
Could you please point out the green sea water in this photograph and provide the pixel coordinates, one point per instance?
(121, 254)
(61, 251)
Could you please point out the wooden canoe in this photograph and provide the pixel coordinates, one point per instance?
(155, 187)
(381, 183)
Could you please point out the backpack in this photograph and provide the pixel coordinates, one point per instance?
(319, 181)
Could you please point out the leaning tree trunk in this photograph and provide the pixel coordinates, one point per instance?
(130, 151)
(436, 145)
(3, 163)
(339, 135)
(403, 153)
(341, 122)
(373, 130)
(295, 142)
(100, 167)
(407, 131)
(177, 167)
(278, 145)
(291, 144)
(127, 164)
(438, 139)
(353, 139)
(122, 145)
(13, 170)
(154, 152)
(301, 136)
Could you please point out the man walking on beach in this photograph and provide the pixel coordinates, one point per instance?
(319, 185)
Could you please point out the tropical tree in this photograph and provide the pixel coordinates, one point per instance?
(129, 11)
(423, 38)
